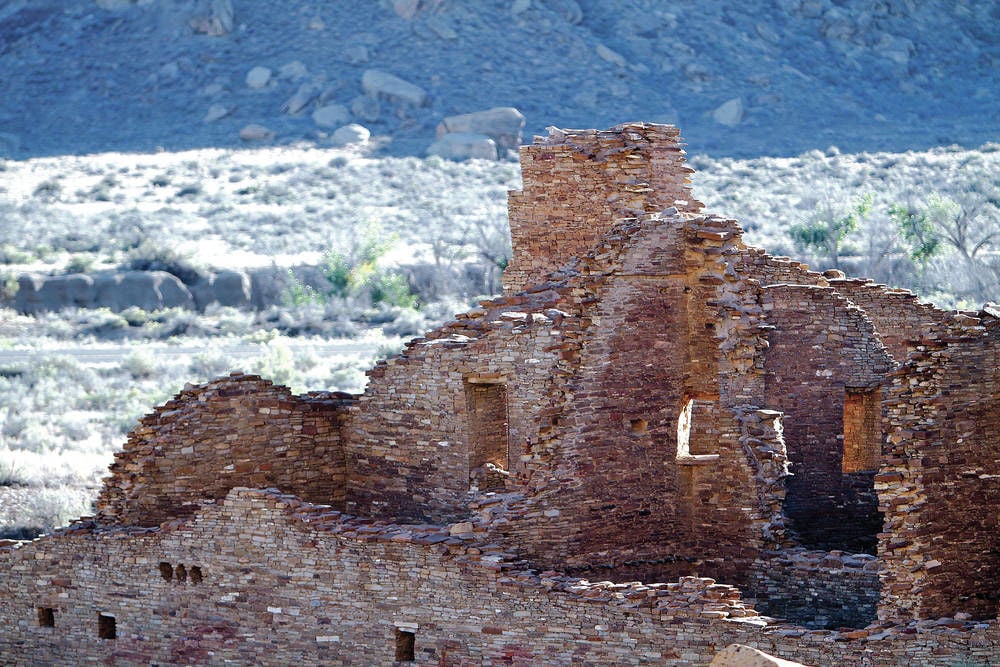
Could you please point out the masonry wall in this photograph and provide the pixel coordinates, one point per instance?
(940, 485)
(411, 444)
(284, 582)
(235, 431)
(817, 589)
(897, 314)
(616, 499)
(578, 182)
(821, 346)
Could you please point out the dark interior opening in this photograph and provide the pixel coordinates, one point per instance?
(405, 641)
(46, 617)
(106, 626)
(195, 574)
(489, 456)
(166, 571)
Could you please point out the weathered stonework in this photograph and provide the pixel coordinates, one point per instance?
(655, 436)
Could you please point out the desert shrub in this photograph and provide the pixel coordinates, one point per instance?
(297, 294)
(80, 263)
(276, 363)
(140, 365)
(8, 285)
(392, 289)
(12, 472)
(48, 190)
(189, 190)
(150, 256)
(12, 255)
(100, 323)
(210, 363)
(347, 376)
(101, 191)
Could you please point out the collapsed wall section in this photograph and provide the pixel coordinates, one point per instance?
(578, 182)
(239, 430)
(459, 412)
(940, 484)
(824, 356)
(898, 315)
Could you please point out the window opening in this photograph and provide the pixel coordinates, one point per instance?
(405, 641)
(181, 573)
(106, 626)
(684, 430)
(489, 455)
(638, 426)
(166, 571)
(862, 429)
(697, 437)
(46, 617)
(195, 574)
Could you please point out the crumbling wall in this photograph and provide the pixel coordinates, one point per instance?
(578, 182)
(239, 430)
(621, 497)
(899, 317)
(940, 484)
(821, 347)
(284, 582)
(817, 589)
(412, 450)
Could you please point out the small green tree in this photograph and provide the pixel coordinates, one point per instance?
(827, 228)
(920, 238)
(356, 273)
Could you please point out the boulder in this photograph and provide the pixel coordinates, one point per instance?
(729, 113)
(366, 108)
(148, 290)
(351, 135)
(216, 112)
(382, 85)
(232, 288)
(610, 56)
(293, 71)
(254, 132)
(737, 655)
(258, 77)
(173, 292)
(37, 293)
(464, 146)
(501, 124)
(331, 115)
(406, 9)
(306, 93)
(217, 22)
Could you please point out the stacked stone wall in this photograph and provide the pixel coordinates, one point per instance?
(284, 582)
(821, 345)
(940, 484)
(411, 447)
(817, 589)
(236, 431)
(578, 182)
(900, 318)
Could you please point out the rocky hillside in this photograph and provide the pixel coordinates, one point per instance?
(742, 79)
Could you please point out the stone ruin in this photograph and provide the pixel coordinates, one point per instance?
(658, 442)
